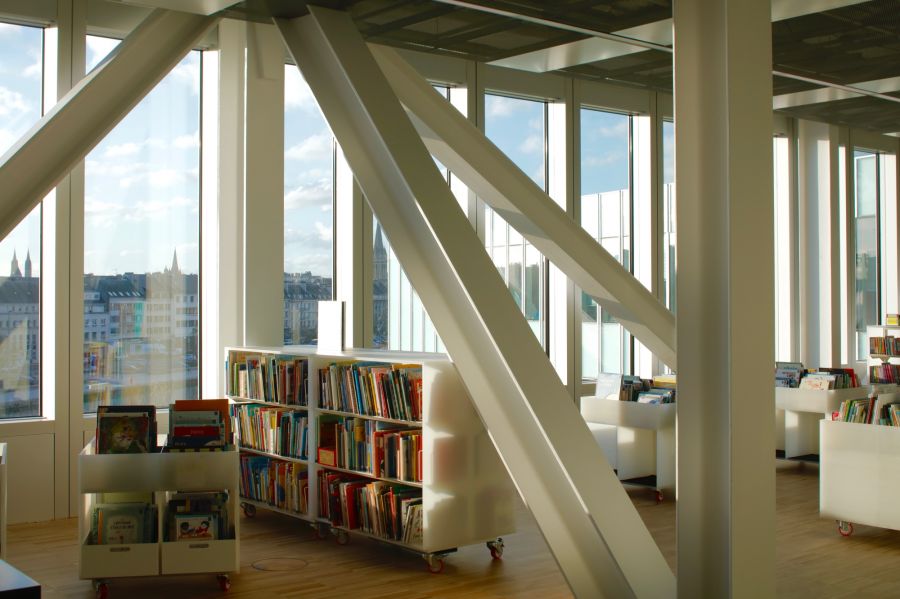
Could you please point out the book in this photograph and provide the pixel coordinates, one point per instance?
(123, 523)
(192, 527)
(609, 386)
(126, 429)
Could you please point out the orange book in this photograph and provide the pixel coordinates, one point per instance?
(198, 405)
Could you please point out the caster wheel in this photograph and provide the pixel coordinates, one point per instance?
(342, 537)
(102, 590)
(320, 532)
(660, 497)
(496, 548)
(845, 528)
(435, 564)
(249, 510)
(224, 582)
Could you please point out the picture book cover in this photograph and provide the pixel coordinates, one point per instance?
(124, 432)
(193, 527)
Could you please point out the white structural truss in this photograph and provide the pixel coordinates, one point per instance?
(487, 171)
(82, 118)
(593, 529)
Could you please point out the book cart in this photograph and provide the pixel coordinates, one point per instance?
(160, 474)
(638, 439)
(466, 494)
(858, 474)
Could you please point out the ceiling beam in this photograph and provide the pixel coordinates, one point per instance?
(878, 88)
(603, 46)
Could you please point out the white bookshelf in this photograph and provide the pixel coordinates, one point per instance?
(638, 439)
(3, 501)
(881, 331)
(467, 494)
(158, 474)
(858, 474)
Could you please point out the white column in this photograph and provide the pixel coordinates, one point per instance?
(353, 265)
(726, 478)
(818, 201)
(593, 528)
(264, 187)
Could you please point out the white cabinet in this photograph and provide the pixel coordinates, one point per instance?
(640, 446)
(467, 495)
(159, 475)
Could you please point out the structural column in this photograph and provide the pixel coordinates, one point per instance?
(820, 301)
(723, 111)
(264, 187)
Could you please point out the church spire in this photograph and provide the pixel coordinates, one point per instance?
(14, 266)
(28, 264)
(174, 269)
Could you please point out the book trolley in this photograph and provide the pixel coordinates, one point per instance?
(466, 494)
(638, 439)
(803, 409)
(161, 474)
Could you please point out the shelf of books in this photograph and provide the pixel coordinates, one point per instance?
(884, 346)
(389, 447)
(144, 512)
(634, 422)
(860, 455)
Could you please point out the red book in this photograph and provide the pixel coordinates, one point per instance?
(196, 431)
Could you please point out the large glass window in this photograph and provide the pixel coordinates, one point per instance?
(606, 215)
(783, 249)
(867, 232)
(308, 210)
(399, 319)
(21, 70)
(518, 127)
(669, 214)
(141, 258)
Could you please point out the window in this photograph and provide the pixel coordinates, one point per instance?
(669, 214)
(783, 249)
(142, 233)
(308, 210)
(605, 214)
(518, 127)
(868, 238)
(399, 320)
(21, 71)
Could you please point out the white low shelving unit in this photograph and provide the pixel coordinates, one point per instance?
(467, 494)
(159, 474)
(858, 474)
(638, 440)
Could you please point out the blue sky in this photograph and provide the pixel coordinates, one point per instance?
(604, 151)
(20, 108)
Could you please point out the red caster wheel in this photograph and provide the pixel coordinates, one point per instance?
(435, 564)
(496, 548)
(845, 528)
(660, 497)
(224, 582)
(342, 537)
(249, 510)
(102, 590)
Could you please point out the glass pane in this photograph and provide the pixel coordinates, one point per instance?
(605, 215)
(308, 210)
(783, 251)
(517, 127)
(141, 259)
(21, 60)
(669, 214)
(866, 229)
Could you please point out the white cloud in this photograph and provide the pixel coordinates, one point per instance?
(9, 29)
(98, 48)
(604, 159)
(7, 139)
(12, 103)
(325, 233)
(499, 106)
(122, 150)
(327, 207)
(533, 144)
(297, 94)
(314, 147)
(33, 71)
(158, 178)
(188, 72)
(318, 192)
(184, 142)
(617, 131)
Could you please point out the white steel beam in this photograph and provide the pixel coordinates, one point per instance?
(83, 117)
(526, 207)
(596, 535)
(625, 41)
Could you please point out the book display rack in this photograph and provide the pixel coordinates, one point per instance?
(380, 444)
(148, 514)
(884, 353)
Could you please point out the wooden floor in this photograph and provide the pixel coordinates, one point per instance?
(281, 558)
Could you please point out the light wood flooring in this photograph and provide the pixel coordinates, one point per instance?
(280, 557)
